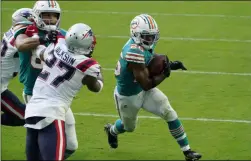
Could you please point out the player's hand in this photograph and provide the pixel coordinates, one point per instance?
(31, 30)
(50, 37)
(167, 69)
(175, 65)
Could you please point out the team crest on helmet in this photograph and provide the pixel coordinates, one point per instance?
(26, 14)
(89, 33)
(135, 23)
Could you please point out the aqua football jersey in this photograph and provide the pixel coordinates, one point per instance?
(131, 52)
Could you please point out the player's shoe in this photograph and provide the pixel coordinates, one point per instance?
(112, 138)
(191, 155)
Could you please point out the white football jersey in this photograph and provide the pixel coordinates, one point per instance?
(9, 59)
(59, 81)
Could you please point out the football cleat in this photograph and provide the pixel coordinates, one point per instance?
(192, 155)
(112, 138)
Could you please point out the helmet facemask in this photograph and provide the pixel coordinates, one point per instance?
(49, 20)
(148, 40)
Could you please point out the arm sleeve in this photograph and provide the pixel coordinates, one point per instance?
(135, 55)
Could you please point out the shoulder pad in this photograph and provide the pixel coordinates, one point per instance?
(135, 54)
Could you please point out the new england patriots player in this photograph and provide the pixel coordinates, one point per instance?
(46, 16)
(67, 68)
(12, 107)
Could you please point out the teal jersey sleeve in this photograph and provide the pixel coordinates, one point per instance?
(63, 32)
(20, 31)
(134, 54)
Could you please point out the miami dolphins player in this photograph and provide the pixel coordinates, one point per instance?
(45, 30)
(136, 90)
(13, 109)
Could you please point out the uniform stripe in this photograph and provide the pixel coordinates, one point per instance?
(60, 148)
(52, 3)
(9, 106)
(49, 3)
(134, 54)
(83, 66)
(135, 58)
(117, 104)
(148, 22)
(182, 137)
(135, 61)
(151, 21)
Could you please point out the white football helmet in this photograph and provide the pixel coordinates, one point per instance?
(21, 16)
(80, 39)
(43, 6)
(144, 31)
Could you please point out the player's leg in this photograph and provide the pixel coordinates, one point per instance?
(128, 108)
(13, 109)
(52, 141)
(32, 148)
(71, 136)
(157, 103)
(26, 97)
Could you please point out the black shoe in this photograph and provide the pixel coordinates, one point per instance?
(112, 138)
(191, 155)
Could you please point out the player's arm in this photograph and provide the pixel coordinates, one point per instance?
(24, 40)
(141, 75)
(28, 39)
(25, 43)
(93, 77)
(94, 84)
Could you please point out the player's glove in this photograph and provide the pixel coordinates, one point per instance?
(167, 69)
(175, 65)
(31, 30)
(50, 37)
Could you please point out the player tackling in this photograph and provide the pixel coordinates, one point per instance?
(68, 66)
(136, 90)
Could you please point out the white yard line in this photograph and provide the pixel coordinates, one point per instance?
(154, 14)
(179, 38)
(183, 39)
(201, 72)
(153, 117)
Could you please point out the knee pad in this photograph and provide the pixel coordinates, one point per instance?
(69, 117)
(71, 144)
(129, 125)
(167, 112)
(71, 137)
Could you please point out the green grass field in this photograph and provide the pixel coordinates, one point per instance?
(213, 39)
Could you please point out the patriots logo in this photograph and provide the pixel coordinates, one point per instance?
(26, 14)
(89, 33)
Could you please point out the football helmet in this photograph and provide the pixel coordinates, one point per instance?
(50, 6)
(80, 39)
(21, 16)
(144, 31)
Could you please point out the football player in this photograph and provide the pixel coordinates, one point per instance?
(136, 90)
(67, 68)
(12, 107)
(46, 16)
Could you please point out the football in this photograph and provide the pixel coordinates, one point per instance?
(157, 64)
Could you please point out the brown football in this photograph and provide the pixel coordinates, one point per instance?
(157, 64)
